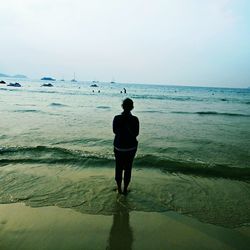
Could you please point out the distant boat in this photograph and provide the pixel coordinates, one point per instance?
(74, 79)
(112, 81)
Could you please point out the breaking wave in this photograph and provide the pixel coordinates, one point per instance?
(210, 113)
(55, 104)
(58, 155)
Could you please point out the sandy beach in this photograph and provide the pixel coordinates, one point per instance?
(44, 228)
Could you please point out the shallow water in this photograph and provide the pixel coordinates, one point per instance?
(91, 190)
(56, 148)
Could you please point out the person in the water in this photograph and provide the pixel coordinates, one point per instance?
(126, 129)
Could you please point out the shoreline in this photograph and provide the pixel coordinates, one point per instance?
(90, 191)
(23, 227)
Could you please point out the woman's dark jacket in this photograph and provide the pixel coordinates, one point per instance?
(126, 129)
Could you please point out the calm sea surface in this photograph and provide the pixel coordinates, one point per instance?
(193, 155)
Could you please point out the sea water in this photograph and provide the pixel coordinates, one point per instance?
(193, 155)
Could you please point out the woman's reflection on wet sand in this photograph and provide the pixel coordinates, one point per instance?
(121, 234)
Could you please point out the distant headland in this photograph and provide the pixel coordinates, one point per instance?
(14, 76)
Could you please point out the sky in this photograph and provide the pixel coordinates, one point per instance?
(181, 42)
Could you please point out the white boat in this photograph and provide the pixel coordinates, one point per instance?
(74, 79)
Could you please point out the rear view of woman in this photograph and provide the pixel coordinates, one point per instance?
(126, 129)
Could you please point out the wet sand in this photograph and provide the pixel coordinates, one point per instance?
(23, 227)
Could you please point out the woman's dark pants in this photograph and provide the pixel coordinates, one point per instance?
(124, 161)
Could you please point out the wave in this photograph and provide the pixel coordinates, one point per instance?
(13, 89)
(209, 113)
(103, 107)
(28, 111)
(165, 97)
(44, 91)
(190, 98)
(152, 111)
(58, 155)
(60, 92)
(194, 168)
(25, 105)
(89, 141)
(50, 155)
(56, 104)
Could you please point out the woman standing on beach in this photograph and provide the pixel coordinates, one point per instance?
(126, 129)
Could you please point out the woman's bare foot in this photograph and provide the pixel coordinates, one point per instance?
(119, 190)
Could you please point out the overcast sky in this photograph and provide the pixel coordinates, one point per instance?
(182, 42)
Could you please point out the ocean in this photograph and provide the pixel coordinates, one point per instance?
(193, 155)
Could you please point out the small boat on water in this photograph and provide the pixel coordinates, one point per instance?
(74, 79)
(113, 80)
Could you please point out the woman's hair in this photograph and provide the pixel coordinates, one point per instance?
(127, 104)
